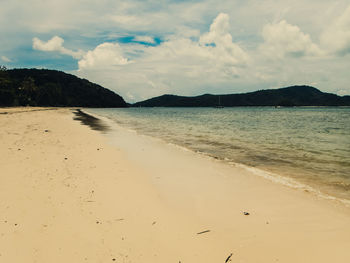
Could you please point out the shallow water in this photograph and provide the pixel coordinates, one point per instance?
(309, 144)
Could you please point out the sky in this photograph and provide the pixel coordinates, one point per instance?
(142, 49)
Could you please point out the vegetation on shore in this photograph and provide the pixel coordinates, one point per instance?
(42, 87)
(287, 97)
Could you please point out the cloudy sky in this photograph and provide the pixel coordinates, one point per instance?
(142, 49)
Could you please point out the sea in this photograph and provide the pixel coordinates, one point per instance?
(307, 145)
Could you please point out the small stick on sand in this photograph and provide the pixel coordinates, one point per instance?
(206, 231)
(228, 258)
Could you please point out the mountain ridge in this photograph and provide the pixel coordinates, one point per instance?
(44, 87)
(299, 95)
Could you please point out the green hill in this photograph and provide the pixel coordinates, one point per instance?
(289, 96)
(42, 87)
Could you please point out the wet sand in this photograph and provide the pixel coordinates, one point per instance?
(71, 194)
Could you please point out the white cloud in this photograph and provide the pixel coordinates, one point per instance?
(129, 20)
(213, 48)
(185, 63)
(145, 39)
(220, 41)
(179, 64)
(5, 59)
(55, 44)
(219, 27)
(161, 17)
(283, 39)
(336, 38)
(103, 56)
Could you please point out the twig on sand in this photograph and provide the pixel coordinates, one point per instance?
(206, 231)
(228, 258)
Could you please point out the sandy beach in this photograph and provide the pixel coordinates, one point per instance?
(72, 194)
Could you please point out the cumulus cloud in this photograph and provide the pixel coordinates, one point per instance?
(285, 40)
(213, 48)
(5, 59)
(219, 41)
(145, 39)
(55, 44)
(213, 52)
(179, 63)
(188, 61)
(129, 20)
(336, 38)
(103, 56)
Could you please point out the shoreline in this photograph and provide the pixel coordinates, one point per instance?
(71, 194)
(268, 175)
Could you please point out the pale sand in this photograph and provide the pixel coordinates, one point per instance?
(71, 194)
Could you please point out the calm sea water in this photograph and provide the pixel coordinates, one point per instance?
(308, 144)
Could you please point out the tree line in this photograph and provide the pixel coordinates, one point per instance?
(42, 87)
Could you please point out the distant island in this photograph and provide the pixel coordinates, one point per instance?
(42, 87)
(287, 97)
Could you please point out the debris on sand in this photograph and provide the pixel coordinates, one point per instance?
(205, 231)
(228, 258)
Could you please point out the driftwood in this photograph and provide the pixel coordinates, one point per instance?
(206, 231)
(228, 258)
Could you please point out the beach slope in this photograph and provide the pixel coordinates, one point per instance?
(70, 194)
